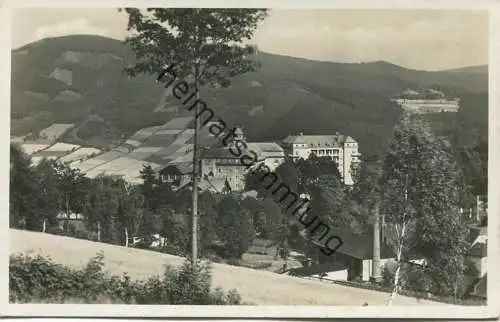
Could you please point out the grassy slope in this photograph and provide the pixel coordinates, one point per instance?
(258, 287)
(296, 95)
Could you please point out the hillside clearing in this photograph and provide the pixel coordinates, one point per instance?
(256, 287)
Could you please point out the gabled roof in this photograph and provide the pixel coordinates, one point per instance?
(184, 168)
(319, 140)
(267, 149)
(356, 245)
(479, 250)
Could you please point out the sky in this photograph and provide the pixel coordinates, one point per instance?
(417, 39)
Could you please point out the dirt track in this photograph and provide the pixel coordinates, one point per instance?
(257, 287)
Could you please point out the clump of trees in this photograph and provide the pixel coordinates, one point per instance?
(35, 279)
(316, 179)
(418, 191)
(42, 197)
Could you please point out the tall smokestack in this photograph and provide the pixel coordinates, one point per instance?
(376, 270)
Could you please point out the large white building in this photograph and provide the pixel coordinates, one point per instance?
(342, 149)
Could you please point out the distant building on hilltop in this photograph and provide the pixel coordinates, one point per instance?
(342, 149)
(426, 101)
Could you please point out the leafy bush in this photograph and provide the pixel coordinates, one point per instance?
(388, 275)
(39, 280)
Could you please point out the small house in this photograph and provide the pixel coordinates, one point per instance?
(176, 174)
(352, 260)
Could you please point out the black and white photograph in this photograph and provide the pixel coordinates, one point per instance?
(227, 160)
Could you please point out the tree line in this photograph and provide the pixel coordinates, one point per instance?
(417, 188)
(43, 197)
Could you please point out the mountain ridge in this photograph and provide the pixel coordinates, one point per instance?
(474, 68)
(68, 79)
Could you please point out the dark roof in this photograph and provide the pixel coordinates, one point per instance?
(479, 250)
(184, 168)
(356, 245)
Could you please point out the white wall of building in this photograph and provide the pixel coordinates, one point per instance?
(368, 269)
(344, 156)
(235, 174)
(340, 275)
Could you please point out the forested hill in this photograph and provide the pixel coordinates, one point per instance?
(75, 79)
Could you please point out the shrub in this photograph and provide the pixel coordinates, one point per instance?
(39, 280)
(388, 272)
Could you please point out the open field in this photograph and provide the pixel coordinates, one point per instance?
(256, 287)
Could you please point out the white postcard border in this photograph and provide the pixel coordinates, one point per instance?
(438, 311)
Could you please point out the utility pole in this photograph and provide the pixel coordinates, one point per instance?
(194, 241)
(194, 228)
(376, 270)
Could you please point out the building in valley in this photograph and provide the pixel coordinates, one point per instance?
(177, 174)
(352, 261)
(478, 253)
(477, 256)
(342, 149)
(220, 163)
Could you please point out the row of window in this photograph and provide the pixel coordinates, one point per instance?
(319, 144)
(325, 152)
(227, 161)
(322, 152)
